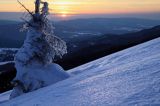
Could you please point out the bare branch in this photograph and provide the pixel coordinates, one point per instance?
(25, 8)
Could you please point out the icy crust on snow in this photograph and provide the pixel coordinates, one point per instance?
(130, 77)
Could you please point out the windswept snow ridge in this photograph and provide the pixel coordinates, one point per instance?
(130, 77)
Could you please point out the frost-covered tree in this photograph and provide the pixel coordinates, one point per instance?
(41, 44)
(34, 59)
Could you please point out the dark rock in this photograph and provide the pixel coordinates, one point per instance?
(7, 74)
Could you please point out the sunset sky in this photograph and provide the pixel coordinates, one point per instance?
(87, 6)
(69, 7)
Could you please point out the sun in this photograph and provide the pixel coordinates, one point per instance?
(62, 8)
(64, 15)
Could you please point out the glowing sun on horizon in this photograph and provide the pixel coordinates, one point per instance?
(63, 8)
(64, 15)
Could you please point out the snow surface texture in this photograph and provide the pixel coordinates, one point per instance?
(130, 77)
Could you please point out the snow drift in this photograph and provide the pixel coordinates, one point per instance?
(130, 77)
(38, 76)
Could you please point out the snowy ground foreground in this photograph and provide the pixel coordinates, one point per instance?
(129, 77)
(36, 76)
(5, 96)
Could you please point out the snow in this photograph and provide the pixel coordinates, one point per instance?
(36, 76)
(5, 96)
(3, 63)
(40, 47)
(4, 49)
(128, 29)
(126, 78)
(83, 33)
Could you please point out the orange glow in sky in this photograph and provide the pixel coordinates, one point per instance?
(67, 7)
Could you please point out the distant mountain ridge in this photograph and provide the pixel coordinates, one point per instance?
(100, 46)
(11, 37)
(94, 47)
(7, 22)
(109, 25)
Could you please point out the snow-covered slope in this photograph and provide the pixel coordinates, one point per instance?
(129, 77)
